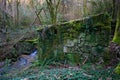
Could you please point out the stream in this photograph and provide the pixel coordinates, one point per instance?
(24, 61)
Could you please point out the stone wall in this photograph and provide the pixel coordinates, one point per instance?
(88, 35)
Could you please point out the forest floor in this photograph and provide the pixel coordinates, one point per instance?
(87, 71)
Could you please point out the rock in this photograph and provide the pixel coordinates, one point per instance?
(2, 64)
(25, 79)
(115, 49)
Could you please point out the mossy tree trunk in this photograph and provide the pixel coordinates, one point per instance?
(15, 12)
(116, 37)
(114, 47)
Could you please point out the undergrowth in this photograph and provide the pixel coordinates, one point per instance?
(85, 72)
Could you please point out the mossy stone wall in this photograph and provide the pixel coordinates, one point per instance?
(53, 38)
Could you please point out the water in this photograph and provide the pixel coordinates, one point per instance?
(26, 60)
(34, 53)
(23, 62)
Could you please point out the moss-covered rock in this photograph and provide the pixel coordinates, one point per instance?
(107, 56)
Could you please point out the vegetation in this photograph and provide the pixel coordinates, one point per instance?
(117, 69)
(51, 39)
(116, 38)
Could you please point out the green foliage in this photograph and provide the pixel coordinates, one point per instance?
(73, 58)
(117, 69)
(101, 26)
(87, 72)
(7, 62)
(59, 56)
(103, 33)
(42, 63)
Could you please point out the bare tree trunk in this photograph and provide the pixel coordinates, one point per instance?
(84, 7)
(115, 9)
(53, 9)
(3, 16)
(15, 12)
(17, 15)
(114, 16)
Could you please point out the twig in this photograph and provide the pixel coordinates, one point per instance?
(85, 60)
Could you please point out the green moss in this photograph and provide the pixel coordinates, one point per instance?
(117, 69)
(116, 37)
(102, 26)
(69, 30)
(107, 56)
(71, 22)
(73, 58)
(34, 41)
(39, 29)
